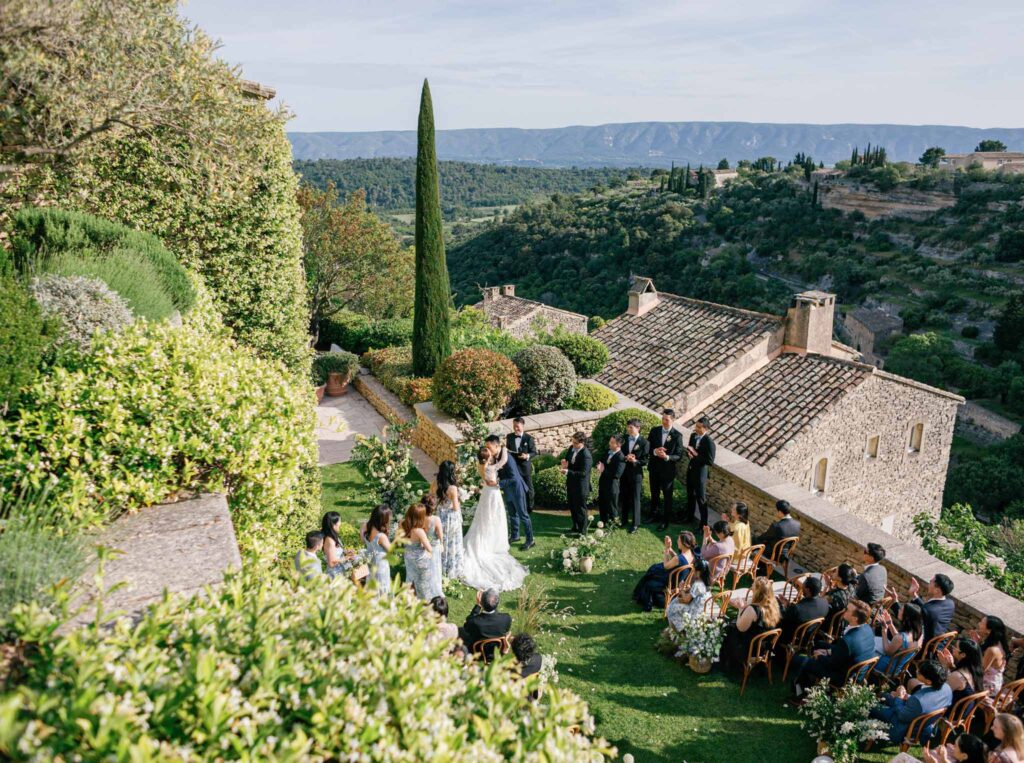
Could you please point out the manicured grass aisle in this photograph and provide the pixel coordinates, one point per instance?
(643, 703)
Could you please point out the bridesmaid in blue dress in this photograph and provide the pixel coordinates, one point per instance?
(378, 545)
(450, 514)
(419, 563)
(435, 533)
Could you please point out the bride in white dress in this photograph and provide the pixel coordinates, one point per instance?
(487, 562)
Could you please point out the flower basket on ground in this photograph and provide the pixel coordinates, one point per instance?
(840, 721)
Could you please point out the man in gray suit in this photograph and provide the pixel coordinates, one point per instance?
(872, 581)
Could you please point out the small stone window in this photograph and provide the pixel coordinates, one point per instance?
(916, 438)
(820, 477)
(871, 449)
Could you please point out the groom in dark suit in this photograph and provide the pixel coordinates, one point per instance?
(636, 451)
(576, 467)
(666, 449)
(701, 450)
(514, 492)
(522, 449)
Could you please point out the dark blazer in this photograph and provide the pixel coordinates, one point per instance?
(526, 445)
(938, 614)
(533, 665)
(783, 528)
(482, 625)
(856, 645)
(900, 713)
(698, 466)
(673, 447)
(642, 451)
(801, 612)
(871, 583)
(612, 473)
(577, 476)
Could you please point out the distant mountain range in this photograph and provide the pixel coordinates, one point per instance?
(652, 144)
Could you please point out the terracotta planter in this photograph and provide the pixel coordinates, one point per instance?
(587, 564)
(337, 384)
(320, 393)
(700, 664)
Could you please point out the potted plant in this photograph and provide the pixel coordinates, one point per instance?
(333, 370)
(840, 722)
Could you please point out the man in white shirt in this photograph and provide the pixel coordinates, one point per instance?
(307, 561)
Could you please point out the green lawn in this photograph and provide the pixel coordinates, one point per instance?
(644, 703)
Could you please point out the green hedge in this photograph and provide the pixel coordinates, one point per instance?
(158, 410)
(615, 423)
(393, 368)
(23, 340)
(592, 397)
(359, 333)
(259, 669)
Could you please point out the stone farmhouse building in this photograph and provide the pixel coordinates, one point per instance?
(782, 394)
(868, 329)
(524, 317)
(1001, 161)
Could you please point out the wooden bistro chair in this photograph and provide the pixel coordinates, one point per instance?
(803, 637)
(793, 588)
(1003, 702)
(882, 605)
(782, 553)
(678, 578)
(745, 564)
(760, 653)
(834, 630)
(896, 669)
(858, 674)
(718, 566)
(936, 644)
(717, 604)
(962, 715)
(918, 726)
(486, 648)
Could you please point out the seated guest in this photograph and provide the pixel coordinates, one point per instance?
(938, 610)
(721, 544)
(307, 563)
(485, 621)
(810, 607)
(440, 606)
(962, 661)
(739, 525)
(842, 591)
(856, 645)
(1009, 732)
(872, 581)
(899, 708)
(525, 650)
(784, 526)
(760, 615)
(990, 633)
(334, 552)
(650, 591)
(907, 633)
(967, 748)
(691, 600)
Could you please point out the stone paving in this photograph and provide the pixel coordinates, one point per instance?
(340, 419)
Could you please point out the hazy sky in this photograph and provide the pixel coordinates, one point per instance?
(348, 66)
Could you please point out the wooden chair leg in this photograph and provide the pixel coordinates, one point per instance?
(746, 675)
(769, 666)
(785, 671)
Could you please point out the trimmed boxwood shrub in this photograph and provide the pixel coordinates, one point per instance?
(587, 354)
(358, 333)
(547, 379)
(592, 397)
(475, 380)
(83, 307)
(258, 667)
(615, 423)
(344, 363)
(393, 368)
(23, 340)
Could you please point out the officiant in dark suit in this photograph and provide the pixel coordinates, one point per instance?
(701, 450)
(666, 450)
(576, 466)
(636, 452)
(611, 467)
(522, 449)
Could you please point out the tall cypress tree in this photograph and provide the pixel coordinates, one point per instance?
(431, 339)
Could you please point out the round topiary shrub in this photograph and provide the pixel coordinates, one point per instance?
(615, 423)
(547, 380)
(587, 355)
(592, 397)
(83, 306)
(475, 380)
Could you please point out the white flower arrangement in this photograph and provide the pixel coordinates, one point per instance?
(700, 636)
(592, 546)
(841, 720)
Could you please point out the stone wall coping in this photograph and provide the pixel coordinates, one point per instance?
(366, 377)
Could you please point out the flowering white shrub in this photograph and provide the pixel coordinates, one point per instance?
(841, 719)
(386, 463)
(83, 306)
(700, 636)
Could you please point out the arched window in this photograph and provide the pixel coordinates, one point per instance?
(916, 437)
(871, 451)
(820, 476)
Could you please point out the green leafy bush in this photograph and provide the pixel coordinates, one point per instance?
(84, 306)
(592, 397)
(359, 334)
(73, 243)
(615, 423)
(475, 380)
(157, 410)
(261, 670)
(470, 328)
(587, 354)
(344, 363)
(543, 461)
(549, 488)
(393, 368)
(547, 379)
(23, 340)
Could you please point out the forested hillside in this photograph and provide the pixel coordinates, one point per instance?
(389, 182)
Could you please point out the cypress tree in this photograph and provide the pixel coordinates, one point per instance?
(431, 340)
(686, 178)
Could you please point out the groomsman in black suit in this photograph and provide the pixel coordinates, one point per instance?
(522, 449)
(701, 450)
(611, 467)
(576, 467)
(666, 450)
(631, 488)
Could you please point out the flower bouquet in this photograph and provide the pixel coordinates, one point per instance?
(580, 553)
(840, 721)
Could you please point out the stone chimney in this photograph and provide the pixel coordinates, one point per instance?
(490, 293)
(809, 322)
(508, 290)
(643, 297)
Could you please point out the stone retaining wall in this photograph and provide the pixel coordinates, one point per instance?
(382, 399)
